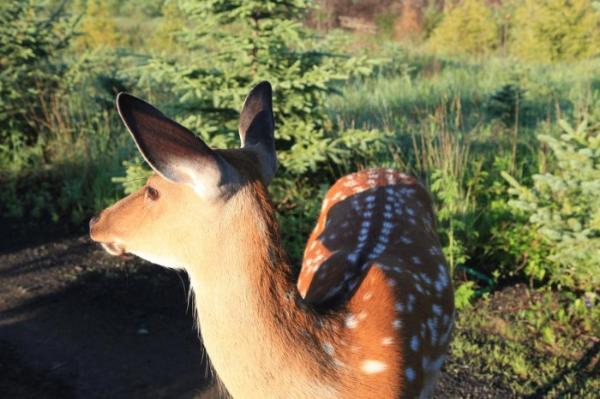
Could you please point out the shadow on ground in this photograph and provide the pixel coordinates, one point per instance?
(75, 323)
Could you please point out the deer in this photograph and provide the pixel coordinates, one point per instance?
(369, 315)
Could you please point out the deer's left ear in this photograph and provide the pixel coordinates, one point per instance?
(173, 151)
(257, 128)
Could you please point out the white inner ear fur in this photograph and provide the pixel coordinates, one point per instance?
(213, 180)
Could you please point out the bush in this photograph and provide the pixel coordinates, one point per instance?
(97, 27)
(564, 208)
(29, 73)
(469, 28)
(556, 30)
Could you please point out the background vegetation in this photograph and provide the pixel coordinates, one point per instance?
(495, 105)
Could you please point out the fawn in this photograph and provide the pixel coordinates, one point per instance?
(371, 313)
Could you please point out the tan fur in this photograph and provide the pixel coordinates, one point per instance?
(263, 339)
(246, 301)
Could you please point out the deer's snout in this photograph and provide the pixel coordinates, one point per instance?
(94, 226)
(93, 221)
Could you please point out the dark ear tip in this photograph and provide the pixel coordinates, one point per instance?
(122, 95)
(263, 87)
(122, 99)
(126, 103)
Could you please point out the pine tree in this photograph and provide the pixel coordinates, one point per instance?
(564, 207)
(230, 45)
(224, 48)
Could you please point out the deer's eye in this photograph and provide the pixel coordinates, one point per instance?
(152, 193)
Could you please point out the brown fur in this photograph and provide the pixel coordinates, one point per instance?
(263, 339)
(208, 212)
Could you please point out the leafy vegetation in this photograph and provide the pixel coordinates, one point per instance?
(564, 208)
(545, 30)
(526, 340)
(507, 146)
(29, 73)
(556, 30)
(468, 28)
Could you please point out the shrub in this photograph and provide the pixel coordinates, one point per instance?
(556, 30)
(29, 73)
(97, 26)
(64, 176)
(564, 208)
(468, 28)
(504, 104)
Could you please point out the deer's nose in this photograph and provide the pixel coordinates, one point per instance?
(93, 220)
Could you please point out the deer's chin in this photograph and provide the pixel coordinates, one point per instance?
(113, 248)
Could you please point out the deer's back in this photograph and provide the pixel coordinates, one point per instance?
(375, 251)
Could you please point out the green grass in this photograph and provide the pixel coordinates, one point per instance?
(456, 123)
(413, 86)
(460, 124)
(523, 340)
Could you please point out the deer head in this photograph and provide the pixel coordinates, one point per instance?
(194, 188)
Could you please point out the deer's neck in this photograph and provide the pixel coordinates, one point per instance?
(262, 340)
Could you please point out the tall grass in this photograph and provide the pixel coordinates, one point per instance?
(412, 85)
(459, 125)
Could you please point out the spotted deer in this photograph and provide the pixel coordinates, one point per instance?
(371, 313)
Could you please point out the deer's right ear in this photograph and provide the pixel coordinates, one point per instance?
(173, 151)
(257, 129)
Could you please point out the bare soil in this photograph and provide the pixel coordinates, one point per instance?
(77, 323)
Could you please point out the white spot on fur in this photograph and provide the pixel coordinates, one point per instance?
(328, 348)
(373, 366)
(351, 321)
(414, 343)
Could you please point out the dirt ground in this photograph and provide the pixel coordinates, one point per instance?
(77, 323)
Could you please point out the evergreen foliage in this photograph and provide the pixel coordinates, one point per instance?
(504, 104)
(29, 42)
(228, 47)
(469, 28)
(223, 49)
(556, 30)
(564, 207)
